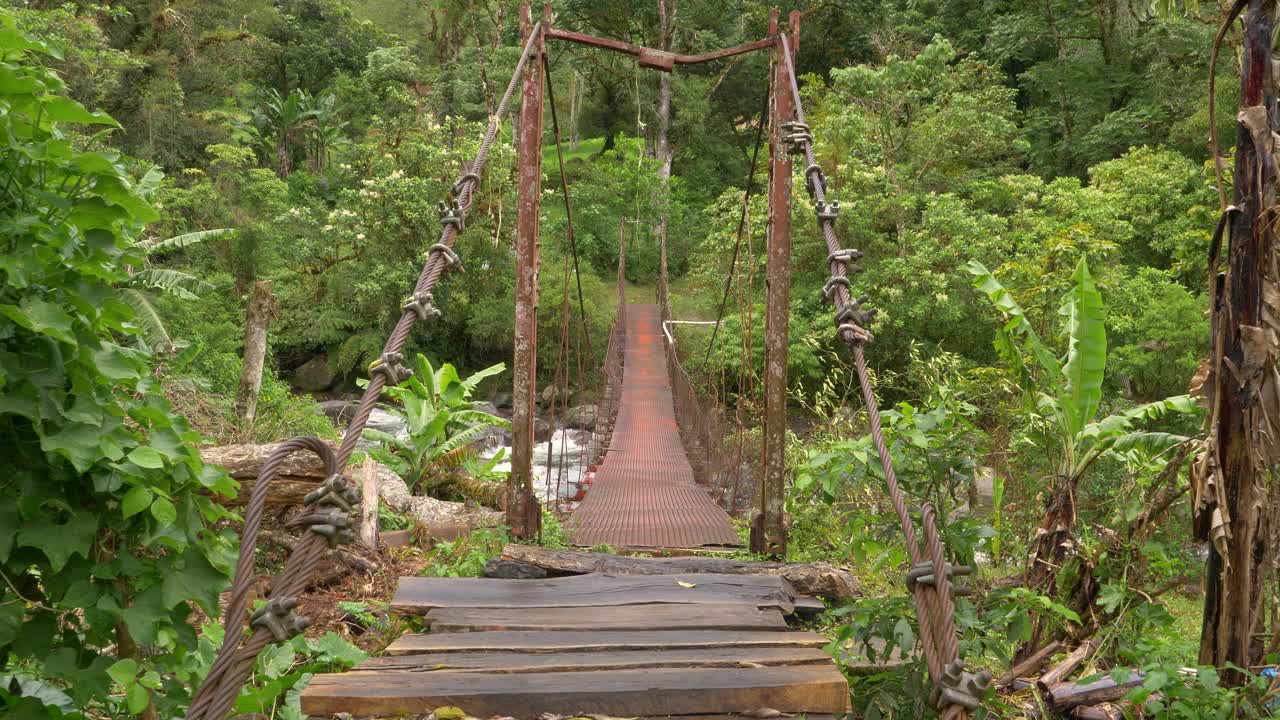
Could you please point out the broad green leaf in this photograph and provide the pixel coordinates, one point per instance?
(163, 511)
(1086, 350)
(40, 316)
(136, 698)
(64, 109)
(1017, 321)
(196, 579)
(136, 500)
(11, 615)
(59, 541)
(123, 671)
(146, 457)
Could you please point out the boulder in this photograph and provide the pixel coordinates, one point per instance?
(502, 399)
(314, 375)
(542, 430)
(339, 411)
(581, 417)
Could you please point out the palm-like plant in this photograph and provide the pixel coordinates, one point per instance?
(443, 423)
(323, 130)
(143, 284)
(1068, 392)
(276, 124)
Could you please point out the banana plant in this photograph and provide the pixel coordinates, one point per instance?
(1068, 392)
(443, 423)
(146, 282)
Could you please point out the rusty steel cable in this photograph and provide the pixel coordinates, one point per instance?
(934, 608)
(742, 223)
(235, 659)
(564, 186)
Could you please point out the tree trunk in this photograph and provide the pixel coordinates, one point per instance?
(1230, 479)
(661, 141)
(257, 317)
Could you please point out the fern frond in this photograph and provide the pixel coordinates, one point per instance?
(454, 458)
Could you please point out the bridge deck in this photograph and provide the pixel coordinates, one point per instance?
(644, 494)
(707, 646)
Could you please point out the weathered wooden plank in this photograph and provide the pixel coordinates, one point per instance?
(813, 578)
(524, 662)
(626, 617)
(531, 641)
(419, 595)
(620, 693)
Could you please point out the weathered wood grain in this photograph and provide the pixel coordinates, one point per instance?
(626, 617)
(531, 641)
(619, 693)
(523, 662)
(420, 595)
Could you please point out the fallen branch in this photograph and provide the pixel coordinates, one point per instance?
(1064, 669)
(1069, 695)
(1031, 664)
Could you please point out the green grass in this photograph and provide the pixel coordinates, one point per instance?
(586, 148)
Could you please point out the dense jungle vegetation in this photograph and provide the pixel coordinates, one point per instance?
(1025, 179)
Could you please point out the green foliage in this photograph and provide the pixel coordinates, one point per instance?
(105, 539)
(466, 556)
(443, 423)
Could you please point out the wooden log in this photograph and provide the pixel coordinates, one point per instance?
(1031, 664)
(1066, 696)
(369, 505)
(816, 578)
(1063, 670)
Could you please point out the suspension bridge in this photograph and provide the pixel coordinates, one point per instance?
(635, 646)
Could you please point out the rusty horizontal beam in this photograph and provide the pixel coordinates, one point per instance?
(656, 59)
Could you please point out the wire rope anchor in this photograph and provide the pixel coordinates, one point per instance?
(451, 213)
(421, 304)
(851, 317)
(391, 366)
(827, 212)
(797, 137)
(814, 179)
(335, 492)
(451, 257)
(462, 182)
(333, 524)
(278, 617)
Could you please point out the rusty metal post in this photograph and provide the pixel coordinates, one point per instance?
(523, 513)
(769, 533)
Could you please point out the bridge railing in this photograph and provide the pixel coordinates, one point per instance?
(699, 417)
(607, 409)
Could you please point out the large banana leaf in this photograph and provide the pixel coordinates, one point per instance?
(153, 247)
(1122, 422)
(474, 378)
(1017, 325)
(1086, 350)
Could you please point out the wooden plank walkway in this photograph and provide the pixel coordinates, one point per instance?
(644, 494)
(705, 646)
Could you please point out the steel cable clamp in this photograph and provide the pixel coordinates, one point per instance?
(335, 492)
(391, 366)
(827, 212)
(451, 257)
(278, 617)
(846, 257)
(958, 686)
(923, 574)
(451, 214)
(814, 178)
(421, 305)
(797, 137)
(829, 289)
(332, 524)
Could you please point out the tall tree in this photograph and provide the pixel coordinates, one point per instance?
(1235, 491)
